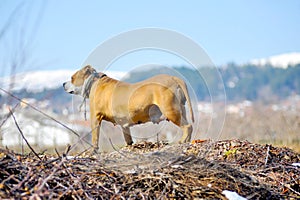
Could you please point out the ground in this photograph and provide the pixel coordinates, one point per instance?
(201, 169)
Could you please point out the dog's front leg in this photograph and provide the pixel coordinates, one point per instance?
(95, 125)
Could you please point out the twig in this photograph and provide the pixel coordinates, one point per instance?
(115, 148)
(157, 140)
(268, 150)
(43, 113)
(8, 115)
(288, 187)
(29, 174)
(82, 152)
(11, 18)
(21, 132)
(45, 180)
(76, 181)
(106, 189)
(12, 176)
(67, 150)
(57, 153)
(82, 138)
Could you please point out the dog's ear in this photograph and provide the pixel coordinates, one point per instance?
(89, 70)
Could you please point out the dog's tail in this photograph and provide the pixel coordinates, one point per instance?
(183, 87)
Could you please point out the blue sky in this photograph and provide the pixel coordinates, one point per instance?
(61, 34)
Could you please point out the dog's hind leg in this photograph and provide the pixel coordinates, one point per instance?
(186, 128)
(127, 135)
(178, 117)
(187, 133)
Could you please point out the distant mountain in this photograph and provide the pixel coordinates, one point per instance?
(37, 81)
(248, 81)
(281, 61)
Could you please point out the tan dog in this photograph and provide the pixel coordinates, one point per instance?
(161, 97)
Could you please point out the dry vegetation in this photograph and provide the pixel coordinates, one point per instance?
(155, 171)
(259, 124)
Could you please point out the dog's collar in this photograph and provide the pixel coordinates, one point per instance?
(87, 85)
(86, 88)
(102, 75)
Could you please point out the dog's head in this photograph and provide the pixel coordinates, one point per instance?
(75, 86)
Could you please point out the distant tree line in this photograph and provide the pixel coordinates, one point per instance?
(250, 82)
(247, 82)
(265, 83)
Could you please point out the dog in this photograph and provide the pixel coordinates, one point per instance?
(158, 98)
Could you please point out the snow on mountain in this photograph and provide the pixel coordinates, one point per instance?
(37, 81)
(282, 60)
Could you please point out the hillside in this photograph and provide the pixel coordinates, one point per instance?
(247, 82)
(239, 82)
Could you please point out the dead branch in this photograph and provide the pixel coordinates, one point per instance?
(46, 115)
(267, 156)
(21, 132)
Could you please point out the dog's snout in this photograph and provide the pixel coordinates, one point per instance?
(68, 87)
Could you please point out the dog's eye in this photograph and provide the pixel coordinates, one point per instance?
(72, 79)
